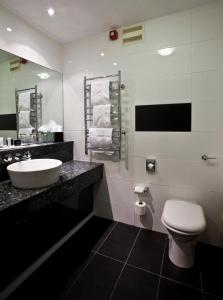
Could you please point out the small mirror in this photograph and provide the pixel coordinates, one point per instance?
(31, 100)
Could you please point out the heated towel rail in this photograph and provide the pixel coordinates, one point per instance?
(35, 109)
(115, 87)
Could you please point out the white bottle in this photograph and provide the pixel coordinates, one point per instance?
(1, 142)
(9, 141)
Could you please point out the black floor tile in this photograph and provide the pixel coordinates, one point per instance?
(148, 251)
(211, 264)
(120, 241)
(61, 277)
(170, 290)
(189, 276)
(97, 281)
(136, 284)
(211, 297)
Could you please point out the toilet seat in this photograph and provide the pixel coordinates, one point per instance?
(178, 231)
(183, 217)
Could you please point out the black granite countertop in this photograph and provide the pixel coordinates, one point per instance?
(10, 196)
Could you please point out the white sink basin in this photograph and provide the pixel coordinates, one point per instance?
(34, 173)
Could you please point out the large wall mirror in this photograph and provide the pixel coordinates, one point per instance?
(31, 100)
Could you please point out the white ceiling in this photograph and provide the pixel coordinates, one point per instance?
(75, 19)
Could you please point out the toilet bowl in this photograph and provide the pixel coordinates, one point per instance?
(185, 222)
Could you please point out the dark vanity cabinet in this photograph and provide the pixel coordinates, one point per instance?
(34, 221)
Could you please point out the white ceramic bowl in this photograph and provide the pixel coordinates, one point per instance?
(34, 173)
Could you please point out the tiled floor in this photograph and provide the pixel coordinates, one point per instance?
(114, 261)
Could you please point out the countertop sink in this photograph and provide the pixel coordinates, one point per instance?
(34, 173)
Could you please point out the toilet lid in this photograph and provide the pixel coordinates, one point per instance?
(184, 216)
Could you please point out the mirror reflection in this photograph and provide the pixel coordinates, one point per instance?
(31, 101)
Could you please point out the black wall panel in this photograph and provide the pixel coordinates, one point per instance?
(8, 122)
(163, 117)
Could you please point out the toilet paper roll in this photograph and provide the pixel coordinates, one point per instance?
(140, 208)
(140, 189)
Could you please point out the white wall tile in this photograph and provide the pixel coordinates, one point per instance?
(206, 175)
(121, 199)
(73, 103)
(207, 55)
(175, 145)
(207, 116)
(207, 86)
(153, 89)
(169, 172)
(120, 190)
(207, 22)
(119, 169)
(79, 144)
(179, 62)
(149, 62)
(146, 144)
(122, 212)
(169, 31)
(210, 143)
(212, 204)
(163, 145)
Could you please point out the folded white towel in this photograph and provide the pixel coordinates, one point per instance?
(24, 101)
(24, 119)
(115, 84)
(109, 153)
(100, 137)
(100, 93)
(102, 116)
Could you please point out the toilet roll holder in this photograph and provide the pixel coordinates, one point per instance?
(141, 189)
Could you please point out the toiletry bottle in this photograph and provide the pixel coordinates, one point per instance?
(9, 141)
(1, 142)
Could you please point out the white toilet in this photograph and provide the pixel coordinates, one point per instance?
(184, 221)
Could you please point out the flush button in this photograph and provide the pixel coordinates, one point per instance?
(151, 165)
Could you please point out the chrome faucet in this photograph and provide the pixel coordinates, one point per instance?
(8, 158)
(26, 156)
(17, 157)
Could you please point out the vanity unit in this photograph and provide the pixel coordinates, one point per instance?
(34, 223)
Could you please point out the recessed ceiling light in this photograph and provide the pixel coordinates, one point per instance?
(166, 51)
(9, 29)
(51, 11)
(114, 63)
(43, 75)
(102, 54)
